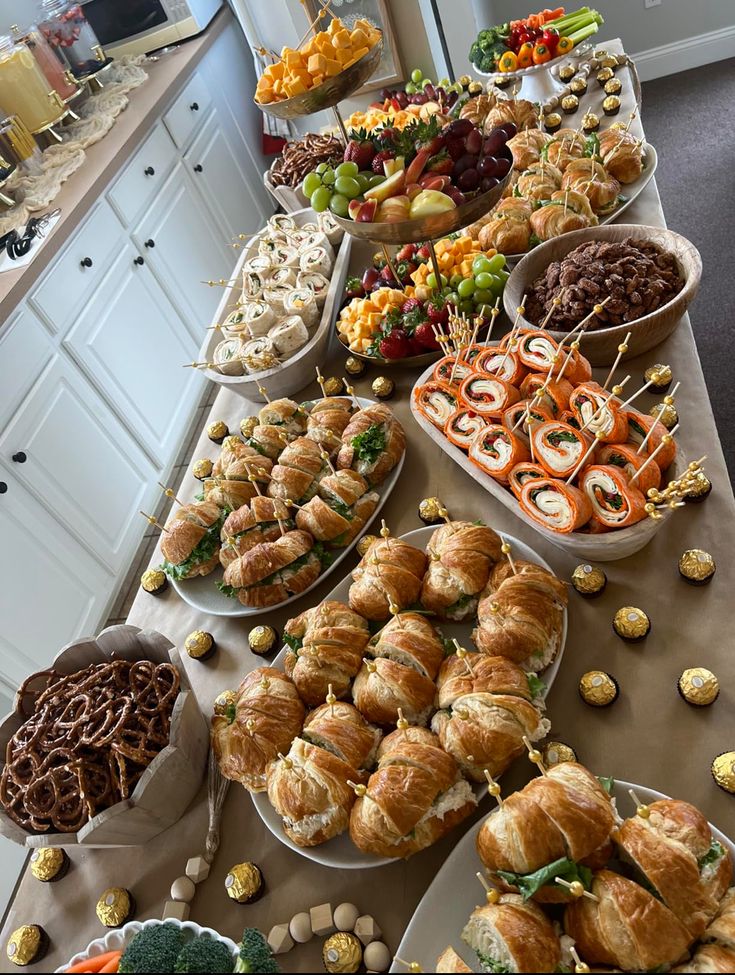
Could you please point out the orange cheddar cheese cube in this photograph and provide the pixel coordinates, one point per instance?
(341, 39)
(332, 68)
(317, 64)
(358, 38)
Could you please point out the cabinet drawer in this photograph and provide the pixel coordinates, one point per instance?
(187, 111)
(145, 173)
(25, 348)
(80, 268)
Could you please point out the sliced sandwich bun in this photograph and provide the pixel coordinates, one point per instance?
(449, 961)
(514, 934)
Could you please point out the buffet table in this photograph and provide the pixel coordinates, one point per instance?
(650, 736)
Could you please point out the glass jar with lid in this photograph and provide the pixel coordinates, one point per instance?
(69, 33)
(24, 90)
(56, 70)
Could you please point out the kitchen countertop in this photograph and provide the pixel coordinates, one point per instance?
(108, 156)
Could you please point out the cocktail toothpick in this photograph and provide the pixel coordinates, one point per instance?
(665, 441)
(412, 966)
(370, 665)
(641, 809)
(580, 967)
(250, 727)
(493, 787)
(331, 699)
(198, 365)
(168, 492)
(520, 310)
(668, 401)
(555, 302)
(505, 548)
(350, 390)
(401, 723)
(534, 755)
(576, 888)
(328, 461)
(463, 656)
(152, 521)
(615, 391)
(636, 394)
(572, 349)
(622, 349)
(492, 894)
(599, 434)
(320, 380)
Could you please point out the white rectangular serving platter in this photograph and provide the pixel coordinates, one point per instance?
(341, 852)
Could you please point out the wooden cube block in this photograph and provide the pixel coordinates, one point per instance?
(279, 940)
(177, 910)
(197, 869)
(322, 920)
(366, 929)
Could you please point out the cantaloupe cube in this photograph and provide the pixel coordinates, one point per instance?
(341, 39)
(358, 38)
(332, 68)
(316, 64)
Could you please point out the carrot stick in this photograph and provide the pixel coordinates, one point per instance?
(113, 964)
(95, 964)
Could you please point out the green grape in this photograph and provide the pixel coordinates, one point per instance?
(446, 290)
(376, 179)
(328, 176)
(452, 298)
(416, 75)
(483, 280)
(425, 82)
(444, 83)
(497, 286)
(466, 288)
(311, 182)
(480, 264)
(455, 279)
(484, 310)
(339, 205)
(347, 169)
(502, 274)
(322, 168)
(411, 88)
(496, 263)
(363, 181)
(347, 186)
(467, 306)
(483, 295)
(431, 280)
(320, 198)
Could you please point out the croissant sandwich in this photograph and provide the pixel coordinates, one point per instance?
(266, 717)
(539, 181)
(284, 413)
(717, 953)
(460, 557)
(326, 646)
(251, 524)
(272, 571)
(449, 961)
(327, 421)
(413, 799)
(592, 179)
(298, 471)
(268, 440)
(335, 522)
(520, 111)
(227, 494)
(239, 461)
(567, 144)
(342, 730)
(526, 146)
(373, 442)
(513, 936)
(190, 544)
(389, 574)
(509, 228)
(553, 827)
(566, 210)
(622, 154)
(486, 708)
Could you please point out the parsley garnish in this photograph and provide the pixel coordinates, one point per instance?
(202, 552)
(369, 445)
(712, 855)
(607, 782)
(536, 686)
(295, 642)
(226, 590)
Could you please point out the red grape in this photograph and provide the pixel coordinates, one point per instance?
(502, 167)
(493, 143)
(468, 180)
(473, 142)
(460, 128)
(488, 166)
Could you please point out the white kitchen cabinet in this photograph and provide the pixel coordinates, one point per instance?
(131, 343)
(220, 179)
(66, 447)
(144, 175)
(185, 248)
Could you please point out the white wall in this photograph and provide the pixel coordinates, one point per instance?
(21, 12)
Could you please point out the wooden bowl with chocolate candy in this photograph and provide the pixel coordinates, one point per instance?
(105, 748)
(584, 267)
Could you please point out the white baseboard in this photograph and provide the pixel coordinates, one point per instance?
(657, 62)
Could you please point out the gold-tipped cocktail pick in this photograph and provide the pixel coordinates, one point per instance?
(520, 310)
(615, 391)
(412, 966)
(463, 656)
(492, 894)
(320, 380)
(331, 699)
(534, 755)
(576, 888)
(641, 809)
(665, 441)
(580, 967)
(668, 401)
(493, 787)
(622, 349)
(555, 302)
(168, 492)
(152, 521)
(505, 548)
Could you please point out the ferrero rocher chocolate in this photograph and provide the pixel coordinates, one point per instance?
(364, 544)
(603, 76)
(502, 80)
(49, 864)
(556, 752)
(153, 581)
(609, 61)
(698, 488)
(225, 703)
(27, 944)
(115, 907)
(665, 413)
(429, 511)
(567, 72)
(589, 581)
(631, 624)
(611, 105)
(333, 386)
(569, 104)
(659, 376)
(699, 686)
(200, 645)
(578, 86)
(244, 883)
(354, 366)
(465, 80)
(383, 387)
(217, 431)
(247, 425)
(723, 771)
(696, 566)
(342, 952)
(552, 122)
(202, 469)
(613, 87)
(598, 689)
(475, 88)
(262, 639)
(590, 122)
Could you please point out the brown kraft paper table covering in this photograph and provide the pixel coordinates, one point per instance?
(650, 736)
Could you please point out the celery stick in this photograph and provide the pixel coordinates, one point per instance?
(583, 34)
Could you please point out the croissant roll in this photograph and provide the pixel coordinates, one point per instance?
(624, 456)
(227, 494)
(345, 486)
(376, 423)
(589, 398)
(460, 557)
(558, 447)
(707, 958)
(411, 640)
(344, 731)
(496, 451)
(390, 573)
(566, 210)
(567, 144)
(515, 935)
(289, 483)
(268, 441)
(615, 501)
(523, 113)
(592, 179)
(638, 426)
(244, 528)
(539, 182)
(321, 520)
(463, 426)
(622, 154)
(722, 929)
(523, 472)
(506, 365)
(520, 621)
(327, 421)
(527, 575)
(508, 230)
(381, 689)
(625, 927)
(303, 455)
(526, 146)
(556, 505)
(487, 395)
(449, 368)
(436, 401)
(235, 452)
(512, 416)
(284, 412)
(556, 392)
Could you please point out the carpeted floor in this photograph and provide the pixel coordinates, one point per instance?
(690, 119)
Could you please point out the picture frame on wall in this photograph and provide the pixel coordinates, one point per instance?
(390, 69)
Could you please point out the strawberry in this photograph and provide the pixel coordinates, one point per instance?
(423, 252)
(387, 275)
(441, 164)
(378, 160)
(395, 345)
(360, 152)
(354, 289)
(406, 253)
(409, 305)
(424, 335)
(437, 310)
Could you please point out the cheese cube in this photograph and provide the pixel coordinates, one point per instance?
(277, 70)
(335, 24)
(343, 55)
(341, 39)
(316, 80)
(294, 87)
(293, 59)
(358, 38)
(332, 68)
(374, 319)
(317, 64)
(359, 53)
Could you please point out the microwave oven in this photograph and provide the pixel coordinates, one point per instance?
(141, 26)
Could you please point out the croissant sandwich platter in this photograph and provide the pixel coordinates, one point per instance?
(284, 504)
(619, 876)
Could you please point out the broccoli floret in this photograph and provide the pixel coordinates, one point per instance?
(475, 53)
(154, 949)
(255, 954)
(204, 954)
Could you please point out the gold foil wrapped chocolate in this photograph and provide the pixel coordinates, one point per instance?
(598, 689)
(465, 80)
(247, 425)
(603, 76)
(202, 469)
(153, 581)
(342, 952)
(567, 72)
(475, 88)
(354, 366)
(217, 431)
(552, 122)
(631, 623)
(589, 580)
(698, 488)
(226, 703)
(665, 413)
(49, 863)
(244, 882)
(200, 645)
(697, 566)
(698, 686)
(569, 104)
(613, 87)
(115, 907)
(590, 122)
(611, 105)
(364, 544)
(609, 61)
(430, 511)
(26, 944)
(556, 752)
(578, 86)
(502, 80)
(333, 386)
(262, 639)
(660, 377)
(383, 387)
(723, 771)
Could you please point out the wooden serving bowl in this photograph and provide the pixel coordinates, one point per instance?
(600, 346)
(172, 779)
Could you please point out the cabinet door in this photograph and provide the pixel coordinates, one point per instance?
(220, 179)
(132, 344)
(51, 589)
(66, 447)
(184, 248)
